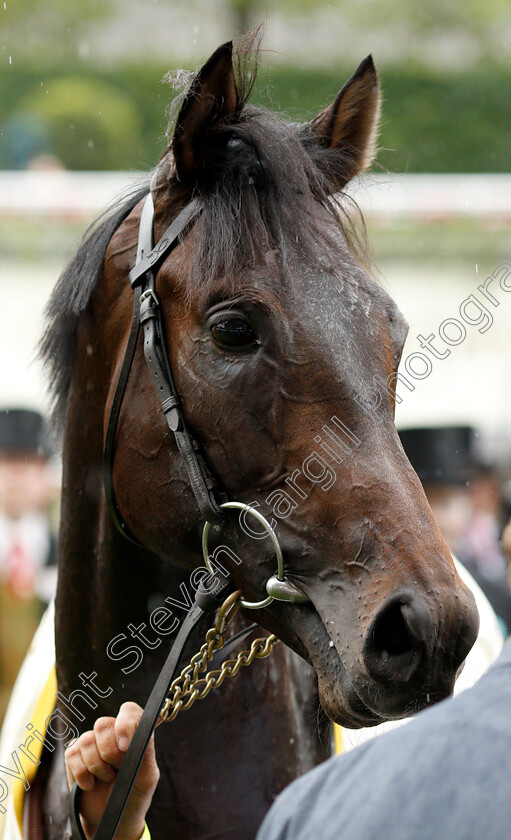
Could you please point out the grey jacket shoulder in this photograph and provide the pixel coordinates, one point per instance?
(446, 775)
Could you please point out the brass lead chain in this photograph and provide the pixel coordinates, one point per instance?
(190, 686)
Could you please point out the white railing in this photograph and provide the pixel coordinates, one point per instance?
(82, 195)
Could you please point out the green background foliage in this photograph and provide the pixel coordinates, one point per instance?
(115, 118)
(87, 123)
(67, 89)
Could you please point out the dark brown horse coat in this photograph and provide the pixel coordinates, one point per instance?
(276, 337)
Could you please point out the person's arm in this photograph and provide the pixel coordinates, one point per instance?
(93, 761)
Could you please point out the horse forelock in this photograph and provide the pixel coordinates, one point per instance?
(262, 193)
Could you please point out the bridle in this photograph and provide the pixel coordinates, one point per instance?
(147, 315)
(211, 502)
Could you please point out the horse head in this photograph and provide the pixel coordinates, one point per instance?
(276, 334)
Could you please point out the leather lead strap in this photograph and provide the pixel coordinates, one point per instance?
(205, 602)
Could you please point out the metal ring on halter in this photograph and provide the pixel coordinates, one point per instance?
(250, 605)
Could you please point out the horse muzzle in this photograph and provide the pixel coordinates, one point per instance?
(406, 657)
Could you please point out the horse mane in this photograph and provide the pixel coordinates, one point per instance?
(262, 181)
(72, 296)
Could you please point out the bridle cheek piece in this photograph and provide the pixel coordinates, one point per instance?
(147, 315)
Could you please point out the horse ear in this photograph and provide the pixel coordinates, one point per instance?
(211, 98)
(350, 123)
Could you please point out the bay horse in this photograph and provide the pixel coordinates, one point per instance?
(275, 333)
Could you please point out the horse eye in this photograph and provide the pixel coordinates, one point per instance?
(233, 332)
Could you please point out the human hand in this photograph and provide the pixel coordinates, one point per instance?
(93, 760)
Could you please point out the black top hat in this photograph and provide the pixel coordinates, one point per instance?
(443, 455)
(23, 432)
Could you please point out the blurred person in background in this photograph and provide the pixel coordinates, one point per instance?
(466, 500)
(506, 546)
(28, 556)
(479, 547)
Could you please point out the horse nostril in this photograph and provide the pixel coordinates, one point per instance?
(394, 643)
